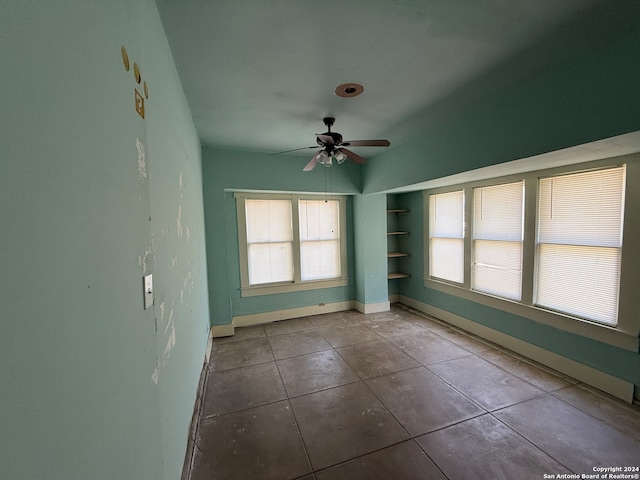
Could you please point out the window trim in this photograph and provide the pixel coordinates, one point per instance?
(625, 334)
(247, 290)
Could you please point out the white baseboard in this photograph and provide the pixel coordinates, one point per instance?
(372, 307)
(218, 331)
(274, 316)
(395, 298)
(600, 380)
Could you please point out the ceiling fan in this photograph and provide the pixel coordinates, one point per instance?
(333, 148)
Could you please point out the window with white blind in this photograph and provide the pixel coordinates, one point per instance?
(319, 239)
(497, 239)
(579, 243)
(290, 242)
(446, 236)
(269, 241)
(552, 246)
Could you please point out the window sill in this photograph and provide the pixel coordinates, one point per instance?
(272, 289)
(602, 333)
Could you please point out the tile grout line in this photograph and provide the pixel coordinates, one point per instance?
(293, 413)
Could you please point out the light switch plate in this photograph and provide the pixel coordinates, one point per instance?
(148, 290)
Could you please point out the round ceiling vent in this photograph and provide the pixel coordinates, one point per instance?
(347, 90)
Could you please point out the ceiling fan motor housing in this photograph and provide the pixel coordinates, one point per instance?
(337, 139)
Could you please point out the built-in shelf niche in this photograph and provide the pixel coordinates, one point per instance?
(395, 251)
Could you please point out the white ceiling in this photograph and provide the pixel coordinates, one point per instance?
(260, 75)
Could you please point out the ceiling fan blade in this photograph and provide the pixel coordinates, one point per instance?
(354, 157)
(311, 165)
(366, 143)
(325, 139)
(295, 150)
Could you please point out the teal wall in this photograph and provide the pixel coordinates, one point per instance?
(93, 385)
(590, 98)
(370, 229)
(226, 170)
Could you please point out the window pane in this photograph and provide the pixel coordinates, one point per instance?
(498, 231)
(270, 241)
(270, 262)
(581, 281)
(319, 239)
(497, 268)
(320, 260)
(446, 232)
(446, 259)
(579, 243)
(268, 220)
(582, 209)
(498, 212)
(446, 216)
(319, 220)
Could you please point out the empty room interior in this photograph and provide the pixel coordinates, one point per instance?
(320, 240)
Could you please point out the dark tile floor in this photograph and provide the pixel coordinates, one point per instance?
(397, 395)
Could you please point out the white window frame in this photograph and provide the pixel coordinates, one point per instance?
(248, 290)
(625, 333)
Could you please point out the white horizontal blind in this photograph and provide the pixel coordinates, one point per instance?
(497, 240)
(446, 236)
(319, 239)
(269, 241)
(580, 223)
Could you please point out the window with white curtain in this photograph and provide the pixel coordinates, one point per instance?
(446, 236)
(497, 239)
(290, 242)
(579, 243)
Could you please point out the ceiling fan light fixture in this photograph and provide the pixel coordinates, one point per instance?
(323, 158)
(348, 90)
(340, 157)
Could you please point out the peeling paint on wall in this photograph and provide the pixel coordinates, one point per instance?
(180, 184)
(179, 222)
(142, 166)
(188, 232)
(168, 337)
(146, 260)
(170, 330)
